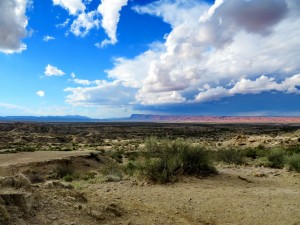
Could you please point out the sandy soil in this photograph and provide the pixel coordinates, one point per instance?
(235, 196)
(238, 195)
(38, 156)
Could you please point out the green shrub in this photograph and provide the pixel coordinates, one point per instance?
(112, 168)
(68, 178)
(89, 176)
(231, 156)
(163, 160)
(131, 168)
(133, 155)
(262, 161)
(63, 171)
(25, 149)
(157, 170)
(196, 160)
(293, 162)
(94, 156)
(276, 158)
(116, 155)
(293, 149)
(255, 152)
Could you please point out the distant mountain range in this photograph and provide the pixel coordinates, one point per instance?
(46, 118)
(157, 118)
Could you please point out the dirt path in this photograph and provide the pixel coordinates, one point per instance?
(234, 197)
(238, 195)
(38, 156)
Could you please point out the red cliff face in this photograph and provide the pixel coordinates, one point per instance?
(214, 119)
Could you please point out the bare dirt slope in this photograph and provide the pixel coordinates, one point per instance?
(237, 196)
(38, 156)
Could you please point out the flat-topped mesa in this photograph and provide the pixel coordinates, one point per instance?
(214, 119)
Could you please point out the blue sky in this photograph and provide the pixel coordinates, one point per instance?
(112, 58)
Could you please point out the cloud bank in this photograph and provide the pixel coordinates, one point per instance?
(13, 23)
(213, 51)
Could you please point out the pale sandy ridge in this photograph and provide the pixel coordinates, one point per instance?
(38, 156)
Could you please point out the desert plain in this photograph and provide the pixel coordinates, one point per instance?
(82, 174)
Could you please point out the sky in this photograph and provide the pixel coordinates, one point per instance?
(113, 58)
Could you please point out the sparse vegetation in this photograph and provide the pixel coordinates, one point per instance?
(262, 161)
(117, 155)
(295, 149)
(68, 178)
(231, 156)
(35, 177)
(163, 160)
(276, 158)
(113, 169)
(25, 149)
(254, 153)
(63, 172)
(109, 155)
(89, 176)
(293, 162)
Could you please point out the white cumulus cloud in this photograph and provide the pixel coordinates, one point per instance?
(73, 6)
(85, 20)
(169, 97)
(110, 11)
(84, 23)
(82, 82)
(214, 46)
(40, 93)
(247, 86)
(53, 71)
(103, 93)
(13, 23)
(212, 52)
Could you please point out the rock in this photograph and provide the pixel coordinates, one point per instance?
(259, 174)
(4, 215)
(70, 198)
(112, 178)
(96, 215)
(114, 209)
(18, 181)
(23, 200)
(21, 222)
(21, 181)
(133, 183)
(6, 182)
(79, 207)
(57, 184)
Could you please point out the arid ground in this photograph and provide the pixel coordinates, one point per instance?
(57, 174)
